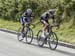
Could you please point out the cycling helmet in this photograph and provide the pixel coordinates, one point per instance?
(29, 11)
(51, 11)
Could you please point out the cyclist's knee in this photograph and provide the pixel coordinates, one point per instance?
(46, 24)
(27, 24)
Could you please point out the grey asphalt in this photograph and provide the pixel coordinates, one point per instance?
(10, 46)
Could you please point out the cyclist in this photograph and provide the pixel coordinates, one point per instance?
(26, 19)
(44, 20)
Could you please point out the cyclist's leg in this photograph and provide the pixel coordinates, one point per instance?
(44, 27)
(22, 28)
(47, 24)
(22, 24)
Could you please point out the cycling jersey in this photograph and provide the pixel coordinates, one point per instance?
(46, 15)
(25, 18)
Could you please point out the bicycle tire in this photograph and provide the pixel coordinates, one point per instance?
(49, 41)
(30, 36)
(39, 38)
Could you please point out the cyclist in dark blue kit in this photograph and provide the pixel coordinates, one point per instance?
(26, 19)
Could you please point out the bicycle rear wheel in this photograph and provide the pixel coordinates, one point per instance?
(53, 41)
(29, 36)
(40, 39)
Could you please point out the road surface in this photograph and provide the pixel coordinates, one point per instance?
(10, 46)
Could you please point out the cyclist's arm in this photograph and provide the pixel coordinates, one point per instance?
(32, 18)
(32, 21)
(54, 20)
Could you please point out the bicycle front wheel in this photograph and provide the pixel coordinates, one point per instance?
(53, 41)
(29, 36)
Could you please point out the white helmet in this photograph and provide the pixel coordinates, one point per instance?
(29, 11)
(51, 11)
